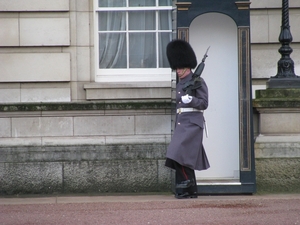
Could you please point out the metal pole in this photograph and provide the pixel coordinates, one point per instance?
(286, 77)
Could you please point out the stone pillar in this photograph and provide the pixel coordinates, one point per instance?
(277, 147)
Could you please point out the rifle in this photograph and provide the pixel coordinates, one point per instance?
(195, 82)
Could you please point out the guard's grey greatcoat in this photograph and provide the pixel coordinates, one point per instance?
(186, 145)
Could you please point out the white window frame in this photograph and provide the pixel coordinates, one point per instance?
(129, 74)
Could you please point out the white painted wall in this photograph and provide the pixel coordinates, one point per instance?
(221, 75)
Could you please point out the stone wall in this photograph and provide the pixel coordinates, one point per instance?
(46, 50)
(278, 164)
(84, 147)
(277, 147)
(46, 169)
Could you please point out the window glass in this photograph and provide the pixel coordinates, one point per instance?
(142, 50)
(112, 50)
(109, 21)
(164, 20)
(165, 2)
(141, 3)
(141, 20)
(111, 3)
(164, 39)
(130, 37)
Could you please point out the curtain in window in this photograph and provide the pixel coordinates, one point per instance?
(142, 45)
(111, 3)
(165, 23)
(141, 3)
(112, 45)
(146, 47)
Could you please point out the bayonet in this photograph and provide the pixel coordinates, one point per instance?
(200, 68)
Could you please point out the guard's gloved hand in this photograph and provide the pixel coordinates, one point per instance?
(186, 99)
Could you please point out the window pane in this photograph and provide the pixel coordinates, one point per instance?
(141, 3)
(112, 21)
(164, 20)
(142, 20)
(165, 2)
(111, 3)
(112, 50)
(142, 50)
(163, 40)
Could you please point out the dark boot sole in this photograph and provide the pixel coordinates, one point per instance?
(185, 196)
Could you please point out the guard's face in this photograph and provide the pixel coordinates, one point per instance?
(182, 72)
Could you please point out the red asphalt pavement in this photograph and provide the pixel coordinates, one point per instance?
(151, 209)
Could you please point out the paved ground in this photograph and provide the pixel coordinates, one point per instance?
(151, 209)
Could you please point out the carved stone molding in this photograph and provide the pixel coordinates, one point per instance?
(183, 5)
(183, 33)
(243, 4)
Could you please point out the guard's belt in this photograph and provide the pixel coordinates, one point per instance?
(181, 110)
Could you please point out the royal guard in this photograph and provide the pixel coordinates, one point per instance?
(186, 153)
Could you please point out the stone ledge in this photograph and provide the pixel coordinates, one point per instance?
(159, 84)
(86, 140)
(277, 147)
(69, 106)
(80, 153)
(276, 103)
(278, 93)
(128, 90)
(277, 98)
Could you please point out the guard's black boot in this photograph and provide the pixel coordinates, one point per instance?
(186, 184)
(186, 195)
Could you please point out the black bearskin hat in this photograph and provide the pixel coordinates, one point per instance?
(181, 55)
